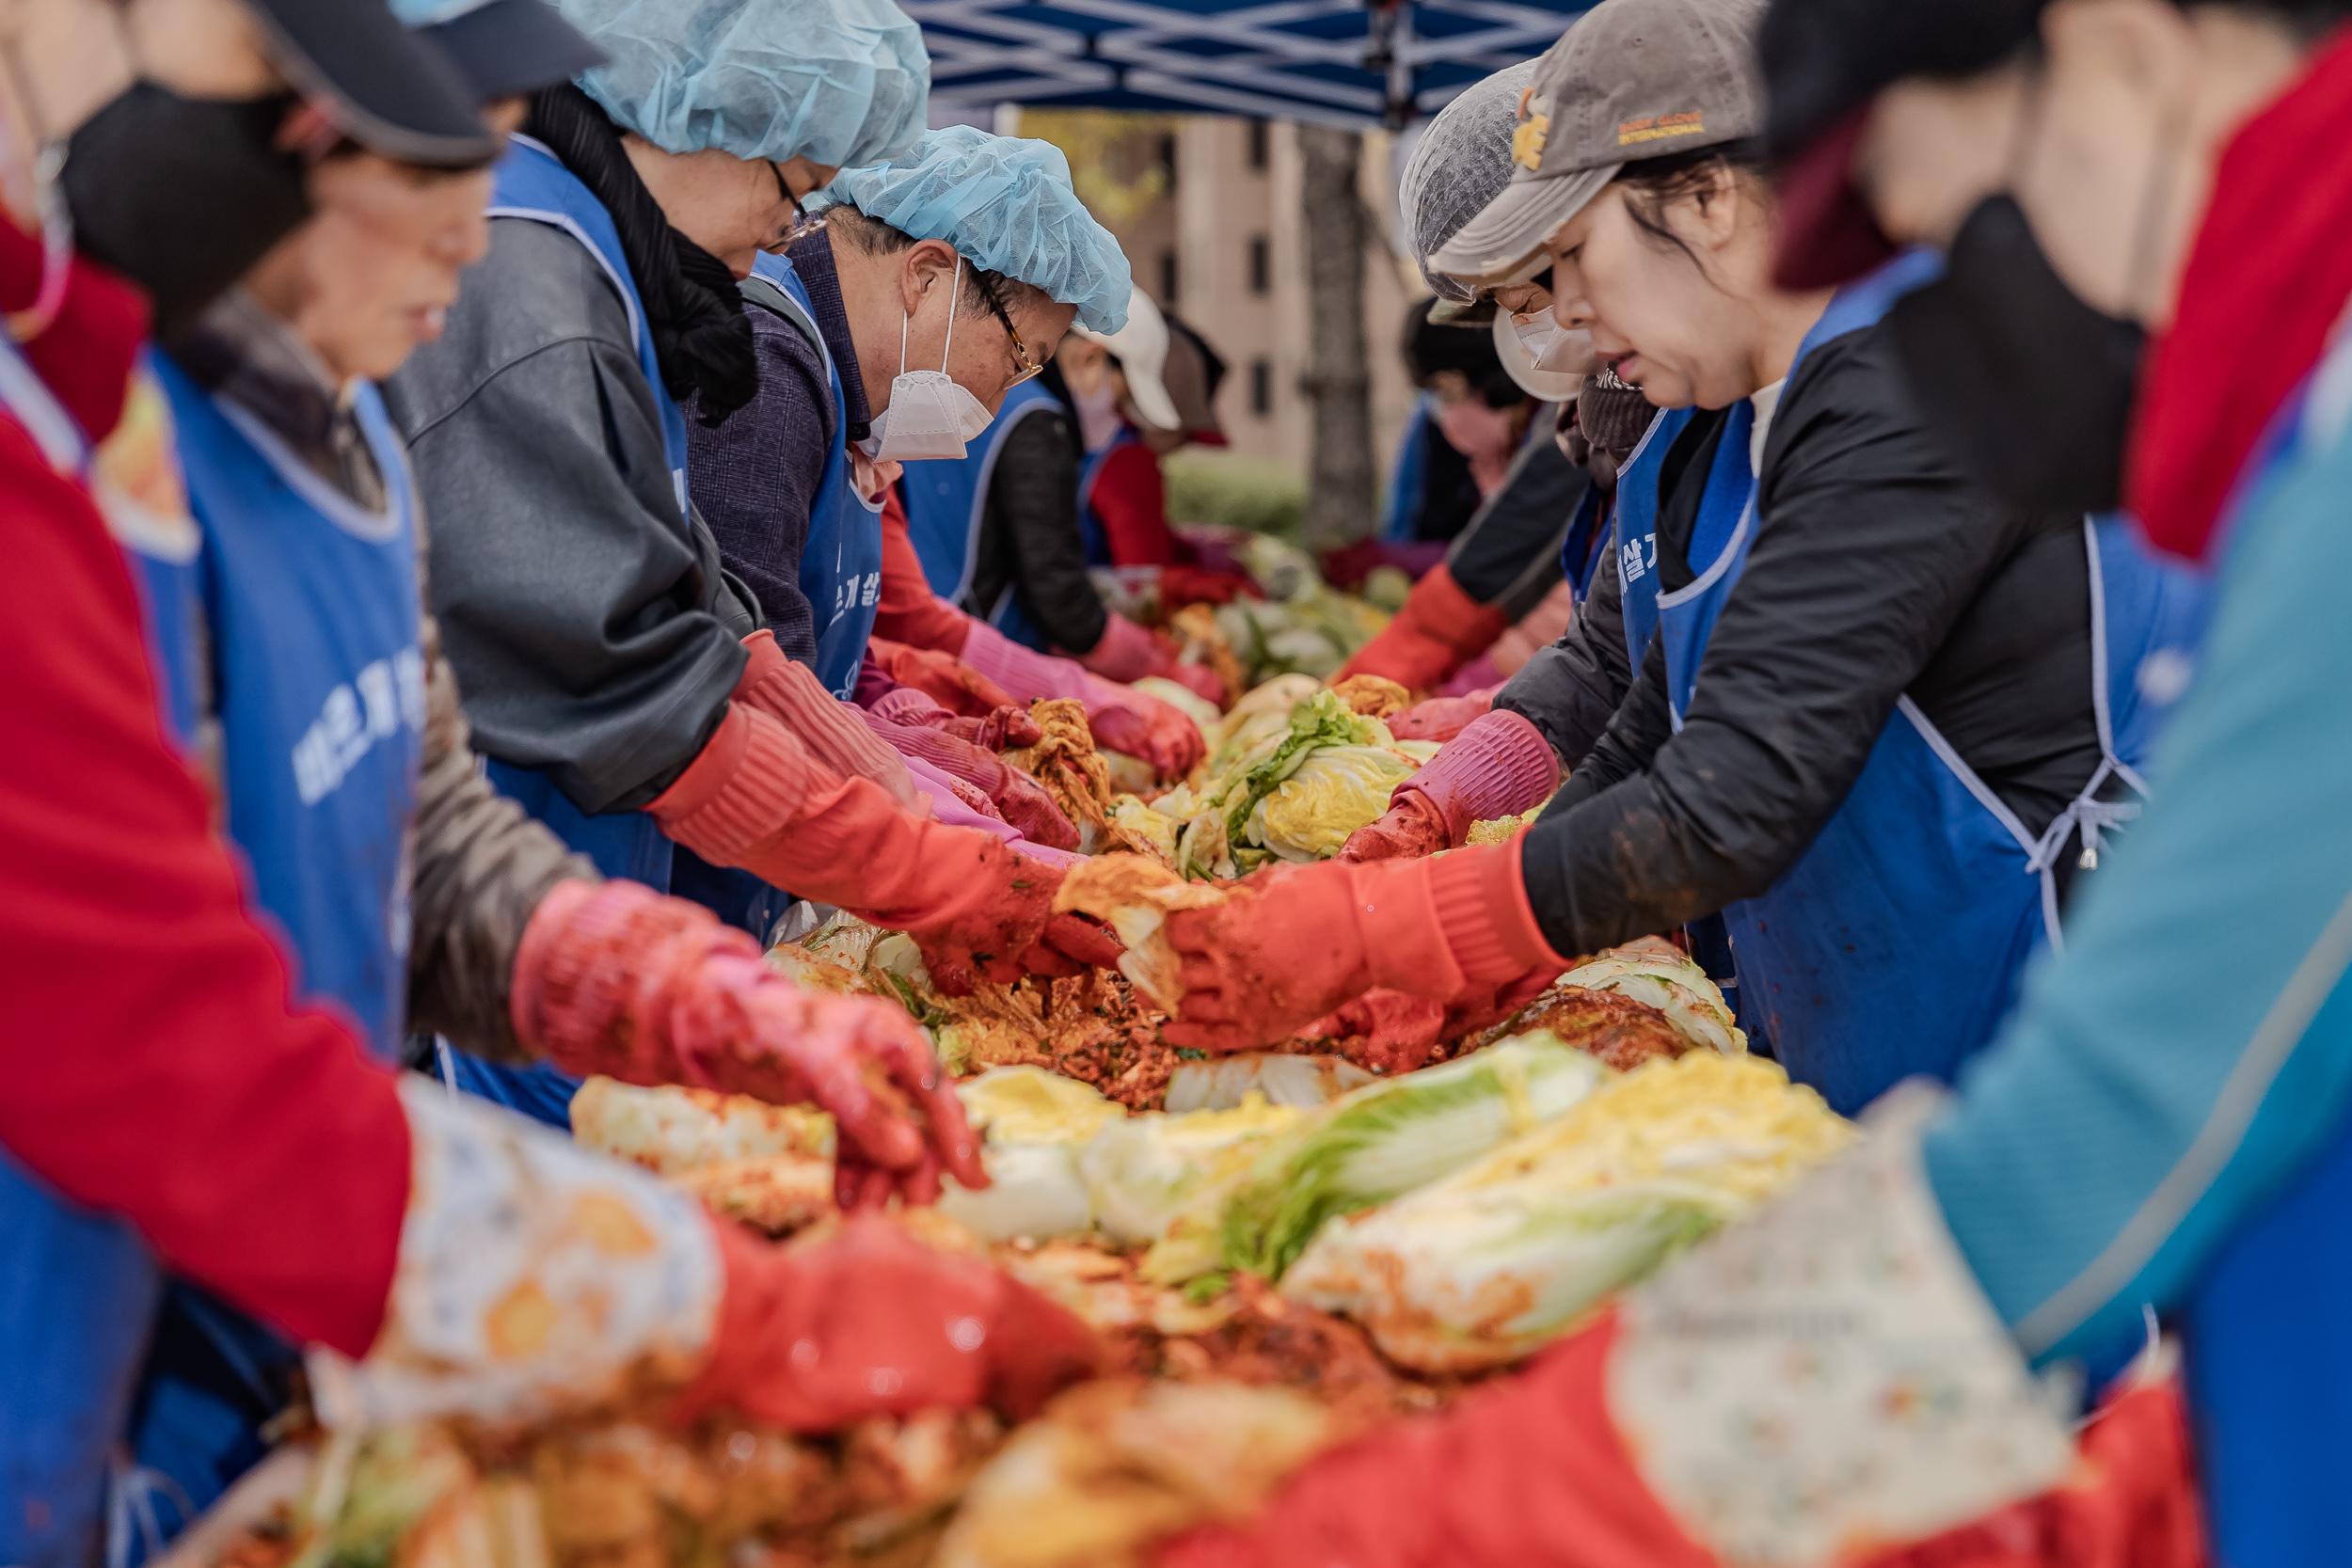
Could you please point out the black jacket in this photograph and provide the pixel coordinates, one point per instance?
(1877, 570)
(1029, 544)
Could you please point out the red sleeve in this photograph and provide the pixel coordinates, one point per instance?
(1133, 504)
(155, 1067)
(910, 612)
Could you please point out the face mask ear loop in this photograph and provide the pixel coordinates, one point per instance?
(905, 321)
(55, 219)
(955, 287)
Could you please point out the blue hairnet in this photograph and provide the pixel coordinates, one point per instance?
(1006, 203)
(430, 13)
(835, 81)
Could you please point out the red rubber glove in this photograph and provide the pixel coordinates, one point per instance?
(870, 1321)
(619, 980)
(1142, 726)
(1291, 944)
(1127, 653)
(1500, 766)
(1019, 799)
(1120, 719)
(1183, 585)
(1440, 630)
(1440, 718)
(940, 676)
(754, 798)
(1527, 1472)
(1412, 827)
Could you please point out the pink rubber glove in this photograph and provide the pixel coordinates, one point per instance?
(1124, 653)
(1121, 719)
(872, 1323)
(1127, 653)
(1499, 766)
(1006, 726)
(832, 730)
(1293, 942)
(617, 979)
(1019, 799)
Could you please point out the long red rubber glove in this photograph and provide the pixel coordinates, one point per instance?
(872, 1323)
(1291, 944)
(1500, 766)
(754, 798)
(621, 981)
(1440, 630)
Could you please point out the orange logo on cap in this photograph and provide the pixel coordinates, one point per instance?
(1527, 140)
(1659, 127)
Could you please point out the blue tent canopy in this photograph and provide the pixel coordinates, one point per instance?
(1331, 62)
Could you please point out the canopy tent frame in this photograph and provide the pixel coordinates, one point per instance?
(1340, 63)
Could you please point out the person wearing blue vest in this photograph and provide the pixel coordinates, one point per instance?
(2143, 1136)
(1007, 204)
(1883, 715)
(2159, 1135)
(405, 888)
(617, 678)
(849, 327)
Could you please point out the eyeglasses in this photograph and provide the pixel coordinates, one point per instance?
(1029, 366)
(803, 222)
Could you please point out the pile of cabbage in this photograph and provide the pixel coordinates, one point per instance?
(1292, 773)
(1465, 1215)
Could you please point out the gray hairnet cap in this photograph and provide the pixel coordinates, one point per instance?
(1461, 162)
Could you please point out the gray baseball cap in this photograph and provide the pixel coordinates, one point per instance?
(1629, 80)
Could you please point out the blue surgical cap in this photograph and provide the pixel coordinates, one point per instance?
(429, 13)
(1006, 203)
(836, 81)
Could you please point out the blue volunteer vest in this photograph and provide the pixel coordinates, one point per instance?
(1633, 529)
(945, 500)
(531, 182)
(2269, 1378)
(311, 614)
(1894, 945)
(78, 1290)
(840, 571)
(1092, 535)
(309, 644)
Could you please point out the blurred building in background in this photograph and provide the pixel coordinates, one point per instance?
(1208, 209)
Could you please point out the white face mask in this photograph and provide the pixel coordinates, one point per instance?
(1546, 358)
(930, 414)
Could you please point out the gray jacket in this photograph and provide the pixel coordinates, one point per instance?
(590, 624)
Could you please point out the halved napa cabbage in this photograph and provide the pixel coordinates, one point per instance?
(1669, 982)
(1505, 1254)
(1336, 790)
(1388, 1138)
(1140, 1171)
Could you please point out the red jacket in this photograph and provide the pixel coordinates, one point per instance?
(156, 1064)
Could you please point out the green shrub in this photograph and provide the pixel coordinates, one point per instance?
(1234, 492)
